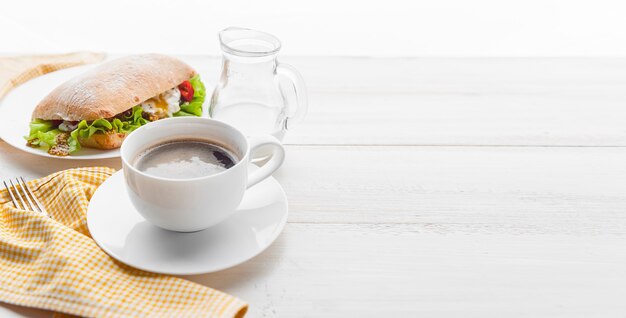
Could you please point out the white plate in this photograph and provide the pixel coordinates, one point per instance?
(121, 232)
(16, 109)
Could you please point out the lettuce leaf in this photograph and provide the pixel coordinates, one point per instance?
(48, 137)
(194, 107)
(132, 121)
(39, 125)
(127, 125)
(85, 130)
(43, 132)
(181, 113)
(73, 144)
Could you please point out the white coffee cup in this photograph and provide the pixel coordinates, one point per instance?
(187, 205)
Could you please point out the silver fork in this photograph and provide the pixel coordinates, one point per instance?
(18, 196)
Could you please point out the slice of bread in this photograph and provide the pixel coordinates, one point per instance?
(113, 87)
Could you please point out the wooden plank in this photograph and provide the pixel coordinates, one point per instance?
(338, 270)
(541, 190)
(449, 119)
(536, 76)
(355, 270)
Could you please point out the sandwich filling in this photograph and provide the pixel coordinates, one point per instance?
(62, 137)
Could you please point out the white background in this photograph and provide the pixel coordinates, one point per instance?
(321, 27)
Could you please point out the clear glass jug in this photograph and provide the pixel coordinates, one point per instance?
(256, 93)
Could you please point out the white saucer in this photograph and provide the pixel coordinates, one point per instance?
(125, 235)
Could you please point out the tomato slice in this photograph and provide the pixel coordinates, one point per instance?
(186, 91)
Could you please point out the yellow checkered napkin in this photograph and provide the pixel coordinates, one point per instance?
(19, 69)
(52, 263)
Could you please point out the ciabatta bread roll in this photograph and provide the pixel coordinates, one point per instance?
(113, 87)
(99, 108)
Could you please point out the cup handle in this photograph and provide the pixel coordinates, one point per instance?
(300, 89)
(276, 160)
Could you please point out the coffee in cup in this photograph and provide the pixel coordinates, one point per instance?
(184, 159)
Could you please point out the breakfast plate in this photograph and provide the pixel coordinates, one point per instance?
(125, 235)
(16, 108)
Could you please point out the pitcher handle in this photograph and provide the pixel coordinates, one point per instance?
(301, 94)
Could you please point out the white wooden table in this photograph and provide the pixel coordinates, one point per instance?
(440, 187)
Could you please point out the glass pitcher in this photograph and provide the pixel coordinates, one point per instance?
(256, 93)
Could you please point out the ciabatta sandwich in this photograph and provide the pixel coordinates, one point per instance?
(100, 108)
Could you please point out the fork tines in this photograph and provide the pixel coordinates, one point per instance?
(22, 196)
